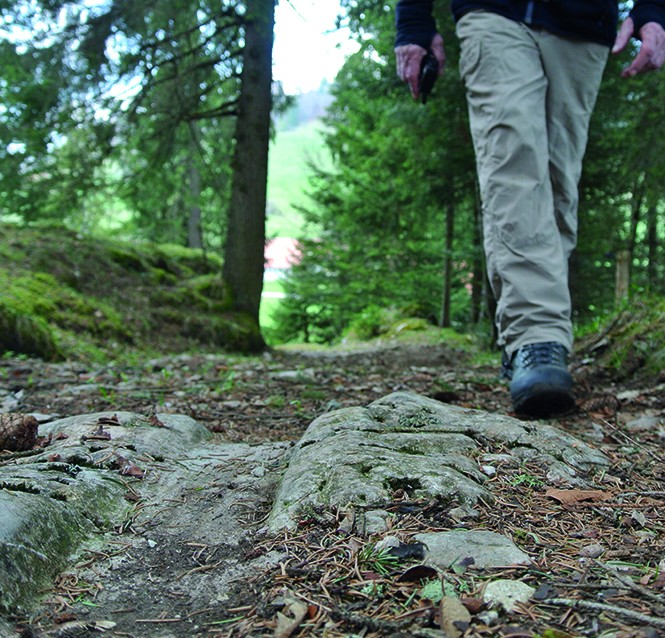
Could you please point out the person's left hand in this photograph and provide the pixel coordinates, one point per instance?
(651, 55)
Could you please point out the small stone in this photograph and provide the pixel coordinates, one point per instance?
(463, 513)
(376, 522)
(295, 375)
(490, 617)
(507, 593)
(645, 536)
(259, 472)
(486, 549)
(644, 424)
(499, 458)
(596, 433)
(455, 617)
(387, 543)
(489, 470)
(629, 395)
(638, 519)
(592, 551)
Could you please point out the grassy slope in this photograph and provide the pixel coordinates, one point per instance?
(288, 175)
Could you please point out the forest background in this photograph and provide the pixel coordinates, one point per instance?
(117, 120)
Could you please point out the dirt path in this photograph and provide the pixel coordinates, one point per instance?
(274, 398)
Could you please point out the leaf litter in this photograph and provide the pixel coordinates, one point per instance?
(330, 582)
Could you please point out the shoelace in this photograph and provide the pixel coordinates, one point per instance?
(541, 354)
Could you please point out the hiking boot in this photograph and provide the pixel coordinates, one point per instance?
(541, 385)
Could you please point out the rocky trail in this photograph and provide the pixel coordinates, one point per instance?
(195, 453)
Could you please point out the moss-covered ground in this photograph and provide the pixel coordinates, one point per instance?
(66, 295)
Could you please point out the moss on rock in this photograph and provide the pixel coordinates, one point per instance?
(51, 514)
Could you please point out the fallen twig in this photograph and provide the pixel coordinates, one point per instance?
(610, 609)
(628, 582)
(632, 441)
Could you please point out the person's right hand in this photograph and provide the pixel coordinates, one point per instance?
(410, 58)
(651, 56)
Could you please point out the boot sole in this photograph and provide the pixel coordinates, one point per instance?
(543, 402)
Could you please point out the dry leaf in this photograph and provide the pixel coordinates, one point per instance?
(286, 625)
(473, 605)
(568, 497)
(417, 573)
(100, 434)
(132, 470)
(454, 617)
(155, 422)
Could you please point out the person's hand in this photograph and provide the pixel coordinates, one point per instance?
(651, 55)
(410, 57)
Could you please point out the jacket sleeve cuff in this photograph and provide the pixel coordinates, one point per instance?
(415, 23)
(648, 12)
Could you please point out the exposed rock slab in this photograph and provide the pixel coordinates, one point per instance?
(89, 480)
(160, 497)
(361, 456)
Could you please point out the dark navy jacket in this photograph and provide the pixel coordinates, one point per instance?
(589, 20)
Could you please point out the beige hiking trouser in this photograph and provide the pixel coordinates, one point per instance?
(530, 96)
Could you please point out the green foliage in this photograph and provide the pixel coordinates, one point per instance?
(403, 177)
(40, 294)
(22, 333)
(374, 321)
(370, 322)
(398, 170)
(117, 106)
(116, 111)
(381, 561)
(622, 193)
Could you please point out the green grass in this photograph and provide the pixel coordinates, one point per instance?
(269, 304)
(288, 175)
(273, 286)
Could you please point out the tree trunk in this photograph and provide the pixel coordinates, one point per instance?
(448, 266)
(652, 247)
(479, 277)
(245, 240)
(194, 237)
(622, 276)
(625, 255)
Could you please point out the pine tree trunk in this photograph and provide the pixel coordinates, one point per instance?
(194, 237)
(622, 276)
(652, 247)
(479, 276)
(245, 240)
(448, 266)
